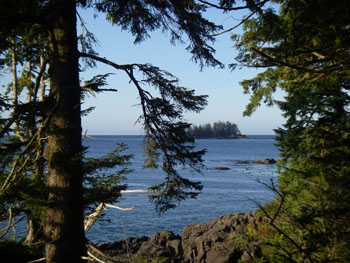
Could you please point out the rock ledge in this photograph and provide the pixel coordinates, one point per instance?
(200, 243)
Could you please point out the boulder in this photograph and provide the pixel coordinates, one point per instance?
(243, 162)
(209, 242)
(162, 245)
(119, 251)
(223, 168)
(265, 161)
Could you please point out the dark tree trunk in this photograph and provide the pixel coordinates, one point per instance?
(64, 228)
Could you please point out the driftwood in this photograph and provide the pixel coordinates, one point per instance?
(138, 191)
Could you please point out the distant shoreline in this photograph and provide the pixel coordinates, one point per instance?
(251, 137)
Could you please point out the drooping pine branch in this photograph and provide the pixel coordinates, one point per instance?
(167, 140)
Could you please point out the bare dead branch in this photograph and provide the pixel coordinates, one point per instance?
(95, 258)
(37, 260)
(94, 248)
(138, 191)
(11, 222)
(90, 219)
(106, 61)
(119, 208)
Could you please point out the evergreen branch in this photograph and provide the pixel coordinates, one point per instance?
(236, 26)
(273, 188)
(224, 8)
(93, 85)
(227, 8)
(6, 127)
(106, 61)
(128, 68)
(14, 173)
(161, 121)
(283, 233)
(278, 62)
(274, 217)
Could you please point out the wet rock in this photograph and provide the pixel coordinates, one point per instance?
(223, 168)
(265, 161)
(209, 242)
(162, 245)
(119, 251)
(242, 162)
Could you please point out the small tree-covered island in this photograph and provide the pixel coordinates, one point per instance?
(219, 130)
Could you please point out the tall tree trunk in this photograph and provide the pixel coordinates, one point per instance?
(65, 222)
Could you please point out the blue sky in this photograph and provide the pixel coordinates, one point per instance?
(116, 113)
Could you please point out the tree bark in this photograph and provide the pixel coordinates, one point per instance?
(64, 228)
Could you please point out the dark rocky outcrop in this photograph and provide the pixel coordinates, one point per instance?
(200, 243)
(210, 241)
(265, 161)
(243, 162)
(223, 168)
(163, 246)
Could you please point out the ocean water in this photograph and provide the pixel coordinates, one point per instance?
(224, 191)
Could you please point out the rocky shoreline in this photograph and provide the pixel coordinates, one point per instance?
(211, 241)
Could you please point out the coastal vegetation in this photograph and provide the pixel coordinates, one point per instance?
(301, 47)
(45, 175)
(219, 130)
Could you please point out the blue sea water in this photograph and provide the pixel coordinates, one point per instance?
(225, 191)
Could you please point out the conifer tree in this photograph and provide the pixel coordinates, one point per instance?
(303, 48)
(168, 143)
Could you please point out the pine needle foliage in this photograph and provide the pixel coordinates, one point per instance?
(39, 39)
(302, 47)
